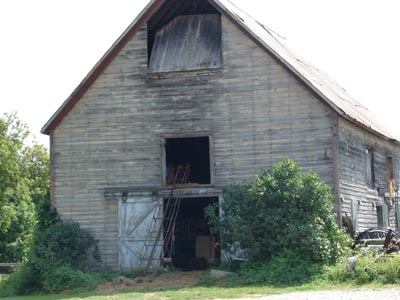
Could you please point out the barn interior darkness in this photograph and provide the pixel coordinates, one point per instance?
(194, 152)
(193, 246)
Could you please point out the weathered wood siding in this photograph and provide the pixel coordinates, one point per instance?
(189, 42)
(354, 190)
(256, 112)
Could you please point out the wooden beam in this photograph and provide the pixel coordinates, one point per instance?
(335, 166)
(52, 168)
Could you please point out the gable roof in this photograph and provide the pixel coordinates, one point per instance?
(326, 88)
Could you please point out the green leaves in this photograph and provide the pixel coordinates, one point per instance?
(283, 210)
(63, 243)
(57, 261)
(24, 187)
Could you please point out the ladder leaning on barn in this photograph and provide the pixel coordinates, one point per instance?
(160, 237)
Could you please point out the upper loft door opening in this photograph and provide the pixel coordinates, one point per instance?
(187, 152)
(184, 35)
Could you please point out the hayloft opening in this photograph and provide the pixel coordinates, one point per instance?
(190, 152)
(184, 35)
(193, 246)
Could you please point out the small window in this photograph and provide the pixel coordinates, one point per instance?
(370, 166)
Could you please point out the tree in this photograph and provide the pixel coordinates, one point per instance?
(36, 165)
(24, 186)
(283, 211)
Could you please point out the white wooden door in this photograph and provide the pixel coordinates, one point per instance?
(136, 220)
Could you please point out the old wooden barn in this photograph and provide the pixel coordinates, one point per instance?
(195, 95)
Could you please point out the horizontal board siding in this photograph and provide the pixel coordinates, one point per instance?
(255, 110)
(353, 172)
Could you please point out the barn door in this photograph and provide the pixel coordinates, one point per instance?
(138, 218)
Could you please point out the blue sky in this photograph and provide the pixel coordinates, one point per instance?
(49, 46)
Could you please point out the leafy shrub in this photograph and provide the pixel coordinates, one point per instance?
(64, 243)
(67, 278)
(206, 279)
(283, 211)
(284, 269)
(55, 262)
(22, 282)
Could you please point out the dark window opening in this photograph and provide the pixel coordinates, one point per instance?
(389, 168)
(380, 216)
(192, 152)
(184, 35)
(370, 166)
(193, 246)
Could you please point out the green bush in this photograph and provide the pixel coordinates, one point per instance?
(22, 282)
(283, 211)
(64, 243)
(67, 278)
(55, 262)
(285, 269)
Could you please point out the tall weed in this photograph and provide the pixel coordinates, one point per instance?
(369, 269)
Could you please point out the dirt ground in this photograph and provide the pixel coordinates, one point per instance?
(364, 294)
(166, 280)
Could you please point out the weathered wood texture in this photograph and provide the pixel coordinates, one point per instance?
(136, 216)
(353, 172)
(189, 42)
(256, 112)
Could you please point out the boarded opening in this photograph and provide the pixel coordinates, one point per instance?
(382, 214)
(187, 43)
(184, 35)
(172, 8)
(193, 246)
(195, 152)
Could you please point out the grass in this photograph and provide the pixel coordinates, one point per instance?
(197, 293)
(221, 290)
(382, 274)
(193, 293)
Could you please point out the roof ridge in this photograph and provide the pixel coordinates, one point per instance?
(318, 81)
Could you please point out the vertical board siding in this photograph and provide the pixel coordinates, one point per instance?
(256, 112)
(187, 42)
(353, 172)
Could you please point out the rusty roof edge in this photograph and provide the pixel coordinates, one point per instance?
(279, 57)
(341, 112)
(142, 17)
(109, 55)
(391, 139)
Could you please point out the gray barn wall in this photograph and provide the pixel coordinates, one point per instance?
(256, 112)
(352, 167)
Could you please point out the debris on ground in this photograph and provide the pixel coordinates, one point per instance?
(391, 246)
(218, 274)
(173, 279)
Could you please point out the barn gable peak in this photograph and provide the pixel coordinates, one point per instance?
(159, 14)
(184, 35)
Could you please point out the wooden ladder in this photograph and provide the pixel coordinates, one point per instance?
(162, 229)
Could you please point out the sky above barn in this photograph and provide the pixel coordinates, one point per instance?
(49, 46)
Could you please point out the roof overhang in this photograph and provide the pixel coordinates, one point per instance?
(328, 91)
